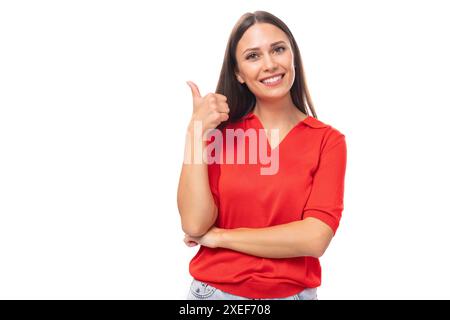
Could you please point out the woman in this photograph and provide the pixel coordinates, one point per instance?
(261, 233)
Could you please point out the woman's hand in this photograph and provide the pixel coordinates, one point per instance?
(210, 110)
(211, 239)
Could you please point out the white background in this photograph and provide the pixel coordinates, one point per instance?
(93, 111)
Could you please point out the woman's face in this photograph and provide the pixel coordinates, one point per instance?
(272, 57)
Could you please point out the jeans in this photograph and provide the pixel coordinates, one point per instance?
(202, 291)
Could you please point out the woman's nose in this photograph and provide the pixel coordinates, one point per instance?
(269, 63)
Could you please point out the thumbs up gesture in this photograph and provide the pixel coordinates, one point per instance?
(211, 109)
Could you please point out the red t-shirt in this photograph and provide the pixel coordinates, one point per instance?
(309, 183)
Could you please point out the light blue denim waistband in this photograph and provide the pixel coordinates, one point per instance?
(202, 291)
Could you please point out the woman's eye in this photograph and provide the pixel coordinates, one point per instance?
(277, 49)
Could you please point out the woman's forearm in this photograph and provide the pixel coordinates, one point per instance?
(300, 238)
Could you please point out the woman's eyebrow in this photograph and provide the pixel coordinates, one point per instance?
(273, 44)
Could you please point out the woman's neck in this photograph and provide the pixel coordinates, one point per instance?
(278, 114)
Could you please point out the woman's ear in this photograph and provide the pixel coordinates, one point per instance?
(239, 78)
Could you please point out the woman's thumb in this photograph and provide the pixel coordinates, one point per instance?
(194, 89)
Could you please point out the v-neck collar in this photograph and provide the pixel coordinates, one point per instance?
(309, 121)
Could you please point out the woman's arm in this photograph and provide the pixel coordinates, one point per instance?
(309, 237)
(195, 202)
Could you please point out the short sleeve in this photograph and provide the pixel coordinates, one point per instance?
(213, 175)
(214, 168)
(326, 200)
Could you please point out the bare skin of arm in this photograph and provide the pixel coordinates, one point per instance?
(196, 205)
(309, 237)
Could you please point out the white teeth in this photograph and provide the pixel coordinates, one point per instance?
(271, 80)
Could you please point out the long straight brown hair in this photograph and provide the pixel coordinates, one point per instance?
(239, 98)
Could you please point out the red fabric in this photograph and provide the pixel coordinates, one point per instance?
(309, 183)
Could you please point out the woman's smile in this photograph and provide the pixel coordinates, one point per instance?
(273, 82)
